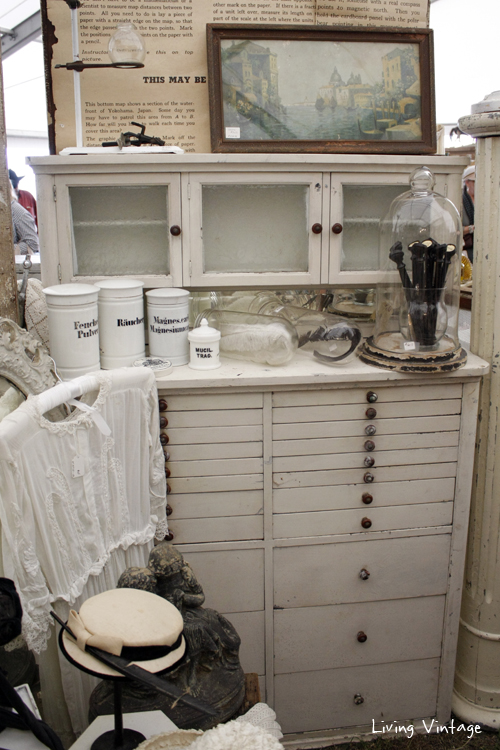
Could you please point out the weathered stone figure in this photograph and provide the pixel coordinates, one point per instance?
(210, 669)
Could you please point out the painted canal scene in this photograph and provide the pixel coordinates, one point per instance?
(320, 90)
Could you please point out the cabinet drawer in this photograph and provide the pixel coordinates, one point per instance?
(359, 395)
(216, 467)
(320, 574)
(356, 476)
(233, 580)
(309, 638)
(235, 528)
(353, 428)
(333, 412)
(382, 494)
(202, 451)
(309, 701)
(229, 483)
(216, 504)
(381, 459)
(319, 523)
(211, 417)
(319, 446)
(214, 401)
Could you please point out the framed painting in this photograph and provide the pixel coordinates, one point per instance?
(310, 89)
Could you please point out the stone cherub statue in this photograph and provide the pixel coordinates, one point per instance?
(211, 668)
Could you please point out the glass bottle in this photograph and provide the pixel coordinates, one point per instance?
(126, 45)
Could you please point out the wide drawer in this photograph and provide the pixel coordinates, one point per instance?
(380, 494)
(320, 574)
(319, 523)
(352, 696)
(313, 638)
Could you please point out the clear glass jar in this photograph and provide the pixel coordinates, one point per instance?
(259, 338)
(417, 304)
(126, 45)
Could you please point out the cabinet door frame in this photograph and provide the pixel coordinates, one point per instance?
(193, 272)
(65, 244)
(373, 179)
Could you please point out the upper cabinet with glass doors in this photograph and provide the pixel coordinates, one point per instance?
(222, 221)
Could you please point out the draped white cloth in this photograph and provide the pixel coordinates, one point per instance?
(77, 507)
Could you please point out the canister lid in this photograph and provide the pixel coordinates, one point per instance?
(62, 294)
(168, 296)
(160, 367)
(111, 288)
(204, 333)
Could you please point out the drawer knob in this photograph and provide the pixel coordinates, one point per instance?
(169, 489)
(166, 455)
(168, 510)
(316, 228)
(371, 397)
(337, 228)
(358, 699)
(163, 438)
(175, 230)
(369, 445)
(163, 423)
(369, 461)
(167, 472)
(368, 478)
(371, 413)
(364, 574)
(370, 429)
(367, 498)
(366, 523)
(362, 637)
(162, 404)
(169, 535)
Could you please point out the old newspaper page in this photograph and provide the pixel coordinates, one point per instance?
(170, 94)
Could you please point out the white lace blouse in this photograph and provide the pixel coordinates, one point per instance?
(70, 495)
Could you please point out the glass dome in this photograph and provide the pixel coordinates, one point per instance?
(418, 301)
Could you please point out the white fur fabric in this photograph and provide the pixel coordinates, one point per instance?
(235, 735)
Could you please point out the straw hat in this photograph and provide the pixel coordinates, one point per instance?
(138, 625)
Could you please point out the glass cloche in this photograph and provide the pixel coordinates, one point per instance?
(417, 303)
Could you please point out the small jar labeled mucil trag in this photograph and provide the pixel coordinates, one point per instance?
(204, 347)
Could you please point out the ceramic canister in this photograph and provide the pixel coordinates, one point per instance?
(72, 317)
(121, 322)
(204, 347)
(168, 324)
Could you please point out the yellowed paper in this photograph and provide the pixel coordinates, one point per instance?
(170, 94)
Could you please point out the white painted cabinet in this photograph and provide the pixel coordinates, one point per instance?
(216, 221)
(330, 528)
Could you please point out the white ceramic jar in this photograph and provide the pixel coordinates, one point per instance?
(121, 322)
(204, 347)
(168, 324)
(72, 316)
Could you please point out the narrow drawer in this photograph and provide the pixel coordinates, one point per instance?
(202, 402)
(229, 483)
(308, 701)
(319, 523)
(355, 427)
(216, 504)
(377, 495)
(380, 459)
(400, 630)
(319, 446)
(336, 477)
(341, 412)
(360, 395)
(321, 574)
(232, 529)
(211, 418)
(215, 434)
(216, 467)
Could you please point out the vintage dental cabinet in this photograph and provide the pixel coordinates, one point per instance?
(324, 509)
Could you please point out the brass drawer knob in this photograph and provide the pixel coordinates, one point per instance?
(368, 478)
(364, 574)
(371, 397)
(162, 404)
(366, 523)
(358, 699)
(163, 438)
(369, 445)
(175, 230)
(371, 413)
(337, 228)
(369, 461)
(168, 510)
(367, 498)
(370, 429)
(163, 423)
(362, 637)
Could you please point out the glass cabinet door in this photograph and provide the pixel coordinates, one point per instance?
(264, 229)
(124, 229)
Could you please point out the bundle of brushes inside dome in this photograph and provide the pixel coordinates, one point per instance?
(430, 262)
